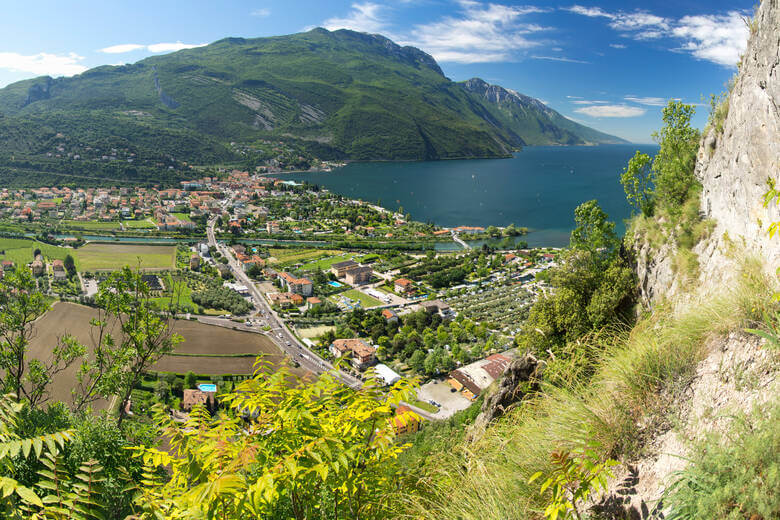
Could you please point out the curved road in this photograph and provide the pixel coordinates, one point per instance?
(281, 335)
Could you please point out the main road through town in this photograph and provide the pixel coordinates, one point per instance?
(288, 342)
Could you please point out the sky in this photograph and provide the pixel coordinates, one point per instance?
(610, 64)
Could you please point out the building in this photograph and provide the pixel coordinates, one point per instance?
(58, 269)
(272, 227)
(473, 378)
(193, 397)
(312, 302)
(302, 286)
(386, 374)
(285, 299)
(363, 354)
(389, 315)
(339, 269)
(437, 306)
(8, 266)
(405, 420)
(37, 267)
(403, 286)
(194, 261)
(358, 275)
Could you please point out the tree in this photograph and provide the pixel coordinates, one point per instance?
(417, 360)
(190, 380)
(637, 183)
(21, 304)
(292, 451)
(131, 336)
(70, 266)
(594, 233)
(674, 163)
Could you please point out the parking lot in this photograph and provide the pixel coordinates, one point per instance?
(438, 390)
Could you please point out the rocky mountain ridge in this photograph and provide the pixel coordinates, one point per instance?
(733, 167)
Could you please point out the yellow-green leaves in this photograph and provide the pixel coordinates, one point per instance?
(284, 447)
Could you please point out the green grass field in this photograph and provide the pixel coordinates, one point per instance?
(364, 299)
(325, 263)
(138, 224)
(90, 225)
(20, 251)
(182, 216)
(291, 256)
(94, 257)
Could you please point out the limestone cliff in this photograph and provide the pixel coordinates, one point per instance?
(733, 167)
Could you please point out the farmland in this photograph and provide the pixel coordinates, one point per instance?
(291, 256)
(206, 349)
(20, 251)
(93, 257)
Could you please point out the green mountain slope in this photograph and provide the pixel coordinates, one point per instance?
(341, 94)
(533, 122)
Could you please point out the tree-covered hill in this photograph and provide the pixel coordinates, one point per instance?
(342, 94)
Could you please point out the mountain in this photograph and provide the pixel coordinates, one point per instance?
(340, 94)
(533, 122)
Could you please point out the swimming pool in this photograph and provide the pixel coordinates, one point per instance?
(334, 284)
(207, 387)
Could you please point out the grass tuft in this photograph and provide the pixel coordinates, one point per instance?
(630, 396)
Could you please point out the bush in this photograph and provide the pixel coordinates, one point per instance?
(734, 475)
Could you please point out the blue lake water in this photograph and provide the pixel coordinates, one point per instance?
(537, 188)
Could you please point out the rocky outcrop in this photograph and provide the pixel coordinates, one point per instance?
(733, 167)
(509, 392)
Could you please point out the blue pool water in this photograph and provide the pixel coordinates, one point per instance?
(207, 387)
(334, 284)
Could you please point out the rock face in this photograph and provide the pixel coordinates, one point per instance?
(733, 168)
(508, 393)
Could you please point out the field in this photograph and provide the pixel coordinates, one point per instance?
(222, 347)
(89, 225)
(93, 257)
(20, 251)
(138, 224)
(182, 216)
(313, 332)
(325, 263)
(364, 299)
(292, 256)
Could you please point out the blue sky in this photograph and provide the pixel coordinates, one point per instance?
(607, 64)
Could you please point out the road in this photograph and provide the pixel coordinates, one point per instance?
(281, 335)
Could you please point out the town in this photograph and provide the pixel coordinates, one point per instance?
(334, 282)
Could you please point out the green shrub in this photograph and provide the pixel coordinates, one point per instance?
(734, 475)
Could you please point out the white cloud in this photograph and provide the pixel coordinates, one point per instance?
(43, 63)
(592, 12)
(581, 101)
(365, 17)
(479, 33)
(611, 111)
(649, 101)
(170, 47)
(122, 48)
(638, 20)
(263, 12)
(155, 47)
(720, 39)
(617, 45)
(558, 58)
(574, 97)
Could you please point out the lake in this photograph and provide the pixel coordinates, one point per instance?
(537, 188)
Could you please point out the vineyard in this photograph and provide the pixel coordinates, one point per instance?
(502, 308)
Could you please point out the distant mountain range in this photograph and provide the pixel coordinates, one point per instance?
(341, 94)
